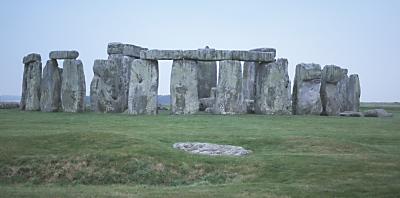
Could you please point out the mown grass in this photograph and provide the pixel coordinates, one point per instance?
(116, 155)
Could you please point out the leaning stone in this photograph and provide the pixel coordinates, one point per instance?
(229, 98)
(351, 114)
(73, 88)
(206, 77)
(183, 88)
(64, 54)
(333, 90)
(143, 87)
(273, 88)
(377, 113)
(306, 90)
(33, 57)
(50, 99)
(33, 80)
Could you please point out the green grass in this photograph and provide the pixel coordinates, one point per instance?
(116, 155)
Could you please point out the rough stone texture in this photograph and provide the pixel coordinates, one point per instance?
(273, 88)
(124, 49)
(250, 108)
(377, 113)
(306, 90)
(211, 149)
(333, 90)
(73, 88)
(9, 105)
(351, 114)
(50, 99)
(249, 80)
(207, 104)
(353, 93)
(64, 54)
(143, 87)
(183, 88)
(33, 57)
(208, 55)
(30, 98)
(206, 78)
(229, 98)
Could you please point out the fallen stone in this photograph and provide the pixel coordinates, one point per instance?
(50, 99)
(229, 98)
(73, 88)
(64, 54)
(143, 87)
(33, 57)
(377, 113)
(205, 103)
(206, 78)
(211, 149)
(351, 114)
(306, 90)
(273, 88)
(183, 88)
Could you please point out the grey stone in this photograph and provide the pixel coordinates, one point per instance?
(183, 88)
(206, 78)
(143, 87)
(208, 55)
(33, 57)
(249, 80)
(306, 90)
(333, 90)
(30, 99)
(115, 48)
(50, 99)
(9, 105)
(353, 93)
(229, 98)
(273, 88)
(351, 114)
(205, 103)
(211, 149)
(124, 49)
(377, 113)
(73, 88)
(64, 54)
(250, 105)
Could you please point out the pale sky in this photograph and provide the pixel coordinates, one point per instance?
(361, 35)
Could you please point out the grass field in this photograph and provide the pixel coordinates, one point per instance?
(116, 155)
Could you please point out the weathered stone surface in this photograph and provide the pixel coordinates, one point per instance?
(377, 113)
(211, 149)
(273, 88)
(333, 90)
(351, 114)
(306, 90)
(183, 88)
(229, 98)
(143, 87)
(30, 99)
(208, 55)
(353, 93)
(249, 80)
(64, 54)
(73, 88)
(250, 106)
(206, 78)
(33, 57)
(208, 103)
(50, 99)
(124, 49)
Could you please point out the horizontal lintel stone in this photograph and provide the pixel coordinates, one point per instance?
(124, 49)
(64, 54)
(33, 57)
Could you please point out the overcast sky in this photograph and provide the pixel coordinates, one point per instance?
(361, 35)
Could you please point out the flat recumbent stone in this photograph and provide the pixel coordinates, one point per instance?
(211, 149)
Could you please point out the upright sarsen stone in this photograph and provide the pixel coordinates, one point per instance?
(206, 78)
(30, 97)
(50, 99)
(183, 88)
(143, 87)
(273, 88)
(229, 98)
(333, 90)
(353, 93)
(306, 90)
(73, 88)
(249, 80)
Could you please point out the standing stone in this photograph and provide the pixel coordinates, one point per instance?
(73, 88)
(50, 99)
(273, 88)
(143, 87)
(353, 93)
(184, 94)
(249, 80)
(30, 99)
(229, 98)
(333, 90)
(306, 90)
(206, 78)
